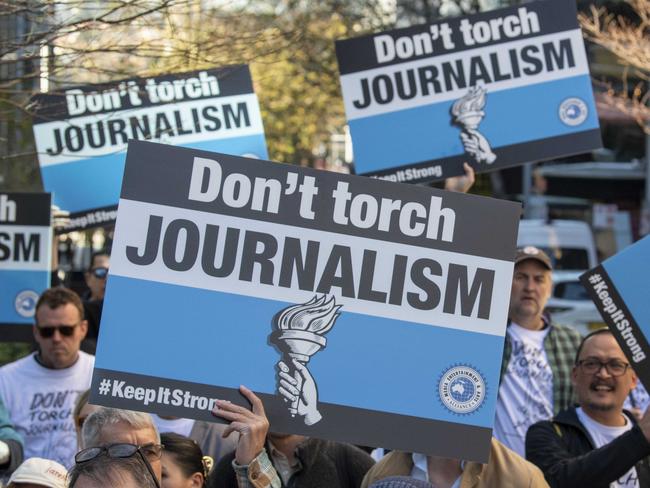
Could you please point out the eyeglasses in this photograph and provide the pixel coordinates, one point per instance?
(147, 452)
(64, 330)
(614, 367)
(100, 272)
(123, 450)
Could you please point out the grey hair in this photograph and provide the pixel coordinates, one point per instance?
(105, 471)
(105, 417)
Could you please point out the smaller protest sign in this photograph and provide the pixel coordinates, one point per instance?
(494, 89)
(620, 289)
(81, 132)
(25, 256)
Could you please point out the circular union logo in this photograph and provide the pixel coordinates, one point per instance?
(25, 303)
(573, 111)
(461, 389)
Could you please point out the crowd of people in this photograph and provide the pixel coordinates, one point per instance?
(563, 415)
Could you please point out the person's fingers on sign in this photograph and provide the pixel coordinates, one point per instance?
(252, 425)
(461, 183)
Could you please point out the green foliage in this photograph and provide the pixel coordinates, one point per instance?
(10, 351)
(299, 93)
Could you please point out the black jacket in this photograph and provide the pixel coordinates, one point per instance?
(565, 453)
(325, 464)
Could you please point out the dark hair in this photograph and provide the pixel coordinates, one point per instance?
(187, 454)
(59, 296)
(604, 330)
(101, 252)
(107, 471)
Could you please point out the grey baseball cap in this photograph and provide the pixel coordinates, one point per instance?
(532, 252)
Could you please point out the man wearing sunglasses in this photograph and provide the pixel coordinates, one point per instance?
(597, 444)
(40, 390)
(96, 275)
(94, 299)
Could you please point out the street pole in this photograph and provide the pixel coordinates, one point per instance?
(644, 221)
(526, 186)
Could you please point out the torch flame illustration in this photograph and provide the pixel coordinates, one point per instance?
(317, 315)
(301, 327)
(469, 107)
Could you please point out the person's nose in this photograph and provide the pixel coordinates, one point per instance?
(603, 372)
(530, 285)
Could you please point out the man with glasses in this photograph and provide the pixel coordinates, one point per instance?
(40, 390)
(122, 465)
(96, 275)
(111, 431)
(597, 444)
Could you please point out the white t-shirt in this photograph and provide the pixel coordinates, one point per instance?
(40, 403)
(526, 391)
(604, 434)
(178, 426)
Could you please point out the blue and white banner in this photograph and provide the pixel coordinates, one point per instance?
(25, 257)
(494, 89)
(344, 302)
(81, 133)
(620, 289)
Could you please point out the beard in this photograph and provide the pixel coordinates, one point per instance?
(601, 407)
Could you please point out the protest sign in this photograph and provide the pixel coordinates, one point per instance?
(494, 89)
(25, 256)
(386, 303)
(81, 133)
(620, 288)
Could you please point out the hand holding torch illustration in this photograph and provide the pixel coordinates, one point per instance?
(468, 113)
(299, 334)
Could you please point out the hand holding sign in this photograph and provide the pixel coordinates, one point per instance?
(252, 425)
(461, 183)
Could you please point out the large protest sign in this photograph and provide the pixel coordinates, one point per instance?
(494, 89)
(81, 133)
(386, 303)
(620, 288)
(25, 257)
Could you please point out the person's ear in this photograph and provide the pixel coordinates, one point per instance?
(635, 380)
(197, 480)
(84, 328)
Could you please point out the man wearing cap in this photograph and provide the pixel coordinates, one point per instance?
(538, 354)
(40, 389)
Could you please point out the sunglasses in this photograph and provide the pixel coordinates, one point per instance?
(147, 452)
(64, 330)
(99, 272)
